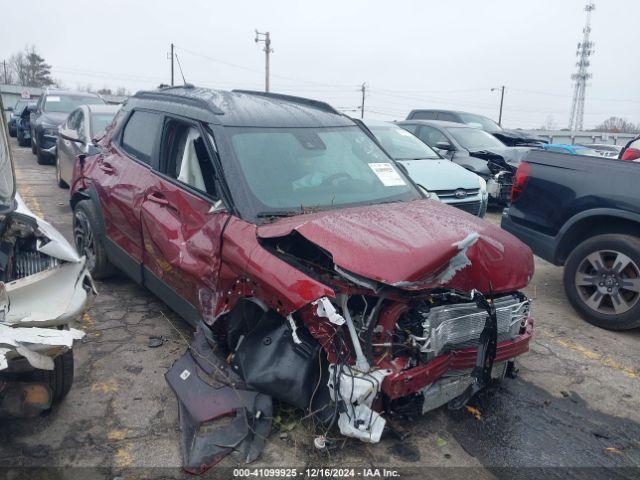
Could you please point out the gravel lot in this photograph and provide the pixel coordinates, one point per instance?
(574, 404)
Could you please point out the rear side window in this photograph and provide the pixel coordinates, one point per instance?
(448, 117)
(423, 115)
(140, 134)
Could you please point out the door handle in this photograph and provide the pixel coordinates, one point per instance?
(106, 168)
(156, 197)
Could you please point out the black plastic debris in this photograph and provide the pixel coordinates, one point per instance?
(155, 341)
(218, 413)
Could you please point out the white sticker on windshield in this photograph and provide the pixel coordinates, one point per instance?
(53, 99)
(387, 174)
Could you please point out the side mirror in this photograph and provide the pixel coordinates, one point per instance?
(446, 146)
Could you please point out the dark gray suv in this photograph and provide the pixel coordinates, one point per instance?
(51, 111)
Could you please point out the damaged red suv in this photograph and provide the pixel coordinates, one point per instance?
(317, 273)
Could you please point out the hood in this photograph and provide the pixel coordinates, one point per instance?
(53, 118)
(514, 138)
(413, 245)
(7, 175)
(436, 175)
(512, 155)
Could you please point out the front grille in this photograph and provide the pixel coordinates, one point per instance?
(471, 207)
(459, 326)
(468, 192)
(29, 263)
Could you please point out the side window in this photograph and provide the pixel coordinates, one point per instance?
(73, 120)
(424, 115)
(431, 136)
(448, 117)
(140, 133)
(411, 128)
(81, 124)
(184, 156)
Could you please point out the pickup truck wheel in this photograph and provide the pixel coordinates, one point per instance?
(60, 378)
(86, 235)
(602, 281)
(33, 144)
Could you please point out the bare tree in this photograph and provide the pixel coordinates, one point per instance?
(123, 92)
(30, 68)
(6, 73)
(617, 125)
(550, 123)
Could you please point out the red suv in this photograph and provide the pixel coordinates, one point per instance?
(303, 253)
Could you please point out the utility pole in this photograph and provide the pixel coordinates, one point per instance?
(4, 63)
(585, 50)
(266, 38)
(363, 89)
(172, 64)
(501, 102)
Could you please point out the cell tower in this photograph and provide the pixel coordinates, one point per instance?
(585, 50)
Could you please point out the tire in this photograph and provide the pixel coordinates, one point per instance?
(40, 157)
(22, 141)
(60, 378)
(61, 183)
(87, 236)
(12, 132)
(602, 281)
(33, 145)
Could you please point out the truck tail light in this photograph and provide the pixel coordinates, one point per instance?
(631, 154)
(520, 181)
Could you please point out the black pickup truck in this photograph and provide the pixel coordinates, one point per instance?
(584, 213)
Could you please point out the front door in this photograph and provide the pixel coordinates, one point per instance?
(181, 229)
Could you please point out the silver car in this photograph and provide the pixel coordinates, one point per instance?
(44, 286)
(451, 183)
(75, 137)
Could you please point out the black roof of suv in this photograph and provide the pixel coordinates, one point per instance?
(241, 107)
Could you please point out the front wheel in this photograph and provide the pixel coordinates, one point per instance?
(87, 237)
(60, 378)
(602, 281)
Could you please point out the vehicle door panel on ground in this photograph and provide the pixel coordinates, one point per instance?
(181, 237)
(123, 176)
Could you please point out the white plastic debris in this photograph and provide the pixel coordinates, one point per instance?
(358, 391)
(294, 330)
(460, 259)
(328, 311)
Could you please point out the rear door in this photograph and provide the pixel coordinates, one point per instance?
(123, 175)
(181, 224)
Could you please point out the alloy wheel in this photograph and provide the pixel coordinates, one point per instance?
(608, 282)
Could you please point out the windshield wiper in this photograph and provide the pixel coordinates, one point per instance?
(278, 213)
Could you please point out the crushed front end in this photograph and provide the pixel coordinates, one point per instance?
(44, 287)
(362, 313)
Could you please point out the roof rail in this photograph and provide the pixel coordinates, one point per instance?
(293, 99)
(164, 94)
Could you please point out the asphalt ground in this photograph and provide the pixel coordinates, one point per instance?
(573, 410)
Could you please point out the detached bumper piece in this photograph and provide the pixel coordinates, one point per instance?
(218, 413)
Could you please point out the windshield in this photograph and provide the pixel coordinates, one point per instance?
(485, 123)
(401, 144)
(473, 139)
(67, 103)
(289, 170)
(20, 104)
(100, 122)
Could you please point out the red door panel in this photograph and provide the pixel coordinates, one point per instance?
(182, 242)
(122, 184)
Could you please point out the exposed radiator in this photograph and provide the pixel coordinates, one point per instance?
(460, 325)
(29, 263)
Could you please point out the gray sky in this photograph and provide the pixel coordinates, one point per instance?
(411, 54)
